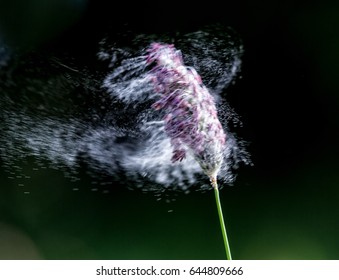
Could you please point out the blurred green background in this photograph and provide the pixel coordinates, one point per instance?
(285, 206)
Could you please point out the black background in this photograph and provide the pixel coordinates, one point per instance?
(283, 207)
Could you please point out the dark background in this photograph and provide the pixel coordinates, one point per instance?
(285, 206)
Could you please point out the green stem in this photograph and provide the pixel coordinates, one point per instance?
(221, 219)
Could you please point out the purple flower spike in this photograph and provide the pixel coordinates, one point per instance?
(191, 119)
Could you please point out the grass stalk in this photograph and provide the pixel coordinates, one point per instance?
(221, 219)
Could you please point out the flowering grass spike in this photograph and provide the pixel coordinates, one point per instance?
(191, 120)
